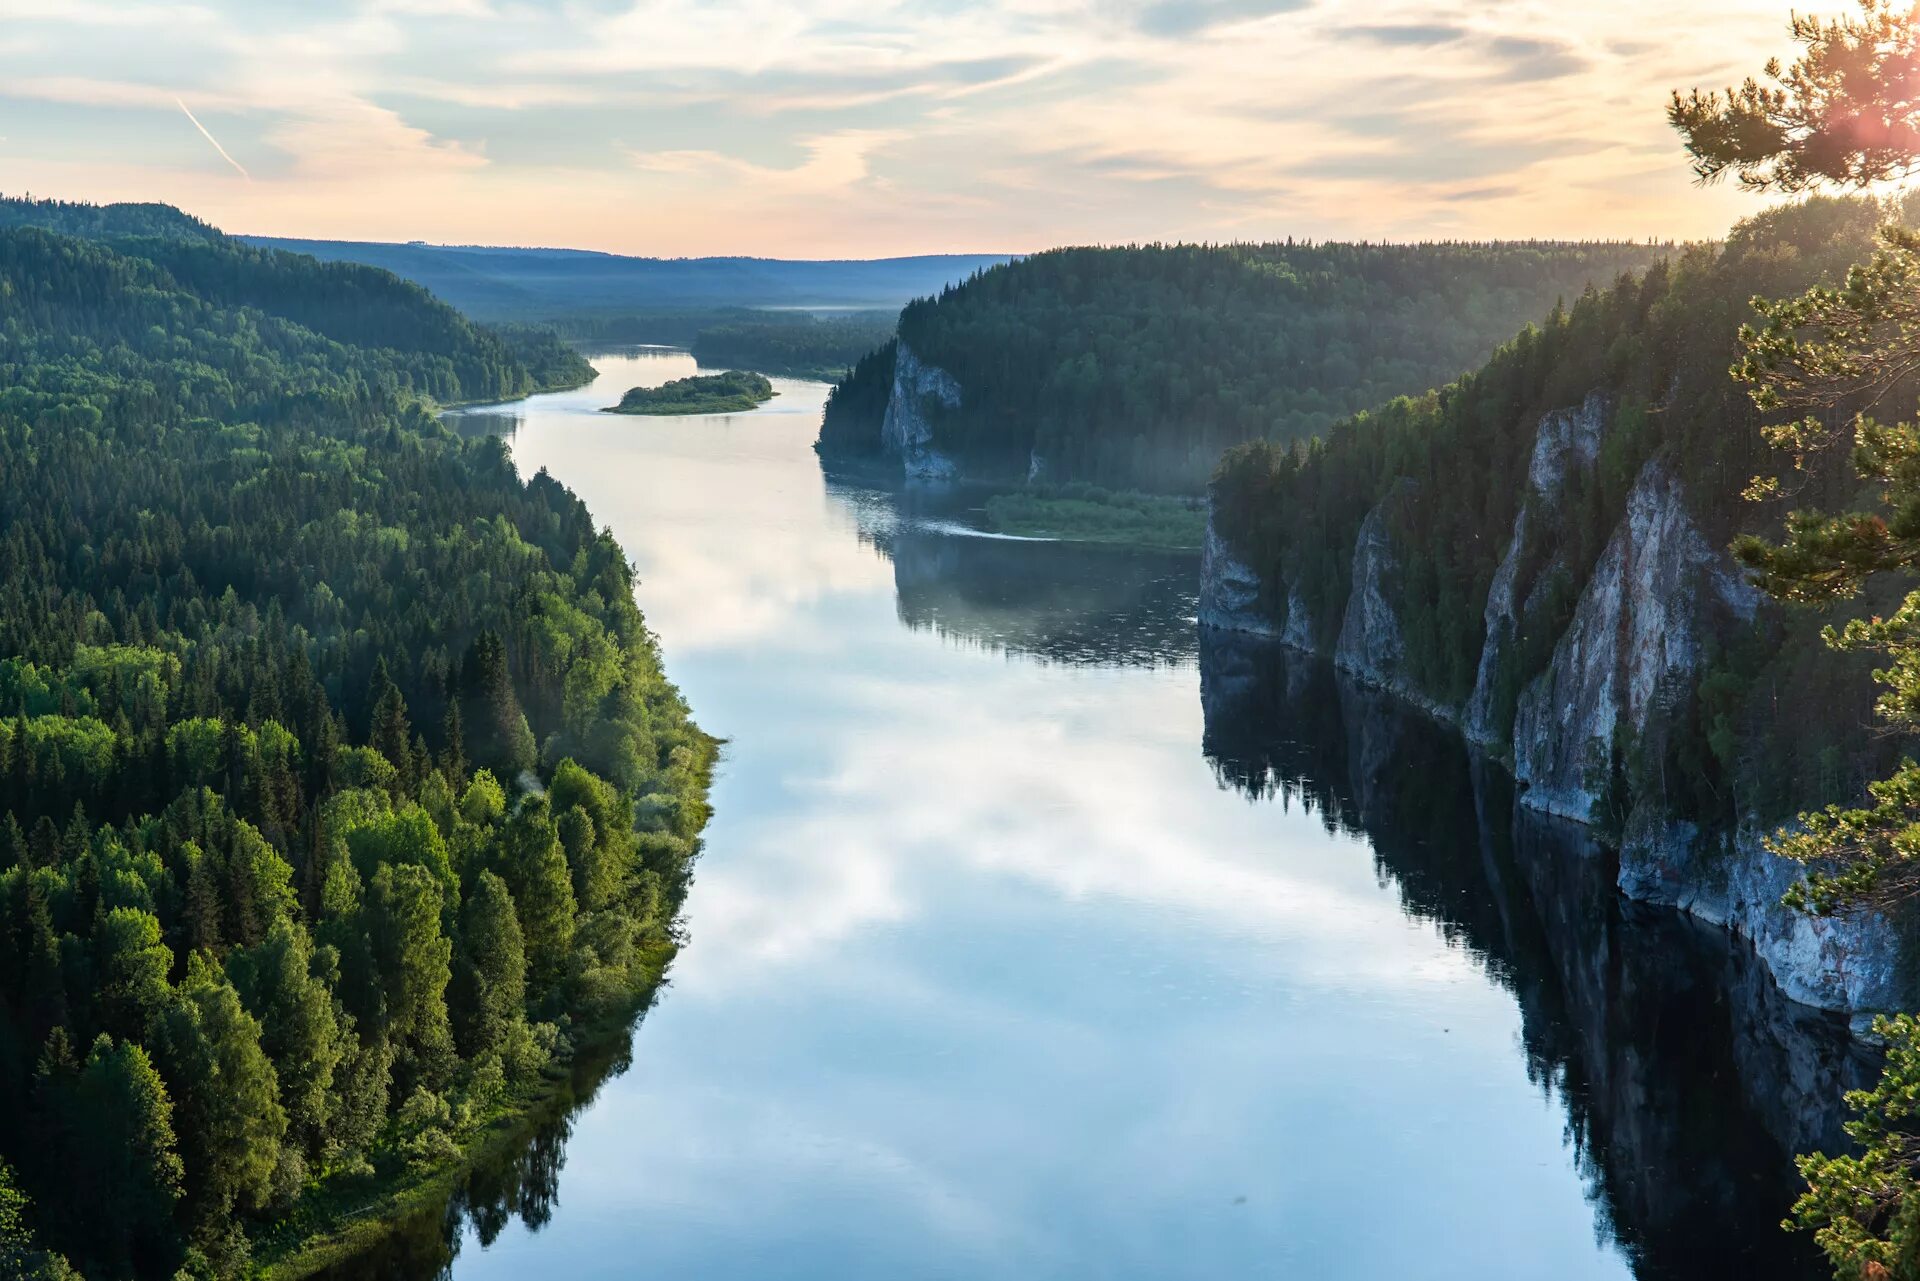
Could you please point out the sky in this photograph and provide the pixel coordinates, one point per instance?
(867, 128)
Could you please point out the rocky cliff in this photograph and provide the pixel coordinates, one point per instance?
(1372, 647)
(1566, 446)
(1636, 636)
(1630, 655)
(1230, 597)
(920, 390)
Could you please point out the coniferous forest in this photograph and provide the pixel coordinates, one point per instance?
(1775, 722)
(341, 791)
(1135, 367)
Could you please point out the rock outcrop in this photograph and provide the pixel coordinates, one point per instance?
(1230, 589)
(1372, 647)
(1629, 657)
(1840, 963)
(1565, 445)
(1635, 636)
(906, 432)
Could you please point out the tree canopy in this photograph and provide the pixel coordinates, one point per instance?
(284, 666)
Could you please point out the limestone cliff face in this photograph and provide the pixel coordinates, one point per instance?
(1636, 633)
(1230, 589)
(1565, 445)
(1372, 646)
(906, 432)
(1230, 597)
(1632, 650)
(1840, 963)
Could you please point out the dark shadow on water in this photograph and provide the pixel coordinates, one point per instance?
(518, 1182)
(1687, 1080)
(1078, 603)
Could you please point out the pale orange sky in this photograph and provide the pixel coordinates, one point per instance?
(858, 128)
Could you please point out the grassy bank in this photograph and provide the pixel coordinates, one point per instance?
(1088, 514)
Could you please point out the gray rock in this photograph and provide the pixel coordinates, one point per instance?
(1566, 443)
(1230, 589)
(1635, 632)
(1836, 963)
(1372, 646)
(906, 432)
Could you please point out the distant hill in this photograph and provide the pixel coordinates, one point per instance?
(98, 222)
(546, 284)
(387, 327)
(1134, 367)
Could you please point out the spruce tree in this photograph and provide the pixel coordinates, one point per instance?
(226, 1098)
(492, 978)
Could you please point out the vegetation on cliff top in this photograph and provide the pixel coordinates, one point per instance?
(344, 789)
(1659, 347)
(1135, 367)
(730, 393)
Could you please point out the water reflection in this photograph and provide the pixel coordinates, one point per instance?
(1061, 602)
(994, 975)
(1688, 1080)
(472, 424)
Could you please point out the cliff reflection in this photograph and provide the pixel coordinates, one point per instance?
(1076, 603)
(1688, 1081)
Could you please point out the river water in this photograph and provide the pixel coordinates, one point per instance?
(1039, 937)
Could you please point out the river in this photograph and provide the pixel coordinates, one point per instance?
(1038, 937)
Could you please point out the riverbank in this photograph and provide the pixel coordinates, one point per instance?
(334, 1223)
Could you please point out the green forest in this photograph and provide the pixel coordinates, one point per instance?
(796, 344)
(1660, 345)
(1134, 368)
(730, 393)
(344, 792)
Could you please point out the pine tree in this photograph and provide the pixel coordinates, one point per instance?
(1844, 114)
(497, 732)
(492, 978)
(412, 959)
(299, 1029)
(227, 1112)
(121, 1154)
(390, 733)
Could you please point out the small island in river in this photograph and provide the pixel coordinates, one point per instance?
(728, 393)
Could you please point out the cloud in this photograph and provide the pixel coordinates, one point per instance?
(1177, 18)
(831, 127)
(1422, 35)
(1525, 58)
(834, 163)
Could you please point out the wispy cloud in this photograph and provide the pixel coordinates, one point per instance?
(827, 127)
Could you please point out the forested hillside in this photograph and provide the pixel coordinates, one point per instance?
(342, 786)
(1771, 721)
(507, 283)
(1136, 367)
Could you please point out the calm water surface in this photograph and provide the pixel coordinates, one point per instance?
(1035, 938)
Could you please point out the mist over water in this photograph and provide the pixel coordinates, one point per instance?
(1038, 936)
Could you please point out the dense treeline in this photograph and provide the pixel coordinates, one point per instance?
(342, 785)
(426, 346)
(799, 345)
(1135, 367)
(1659, 346)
